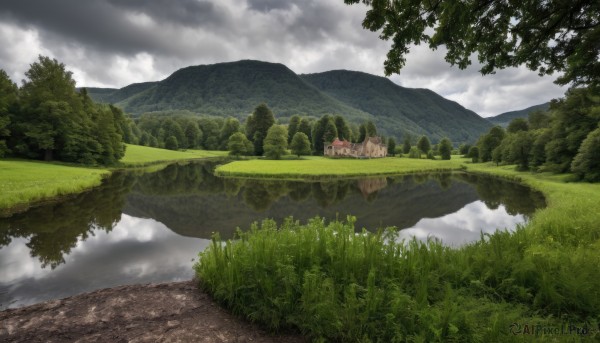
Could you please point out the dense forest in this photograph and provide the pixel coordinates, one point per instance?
(47, 118)
(566, 138)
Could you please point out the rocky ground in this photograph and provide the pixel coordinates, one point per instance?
(170, 312)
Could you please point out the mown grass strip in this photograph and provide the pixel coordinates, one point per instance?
(322, 168)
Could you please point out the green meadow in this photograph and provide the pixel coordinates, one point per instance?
(320, 167)
(23, 182)
(538, 283)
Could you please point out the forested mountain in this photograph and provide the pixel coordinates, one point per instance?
(235, 88)
(505, 118)
(397, 109)
(231, 89)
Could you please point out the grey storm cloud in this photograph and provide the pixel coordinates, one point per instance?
(117, 42)
(269, 5)
(110, 25)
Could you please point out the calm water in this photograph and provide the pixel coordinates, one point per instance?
(149, 227)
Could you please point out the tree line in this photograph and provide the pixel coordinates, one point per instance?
(564, 139)
(48, 118)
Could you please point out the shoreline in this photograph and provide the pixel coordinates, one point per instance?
(55, 191)
(174, 311)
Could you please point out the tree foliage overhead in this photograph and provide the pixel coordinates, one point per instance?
(545, 36)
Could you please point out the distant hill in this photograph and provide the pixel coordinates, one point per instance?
(416, 111)
(505, 118)
(236, 88)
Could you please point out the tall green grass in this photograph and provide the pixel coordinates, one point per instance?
(332, 284)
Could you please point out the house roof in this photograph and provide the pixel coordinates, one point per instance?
(341, 144)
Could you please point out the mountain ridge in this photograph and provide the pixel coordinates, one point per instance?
(504, 119)
(235, 88)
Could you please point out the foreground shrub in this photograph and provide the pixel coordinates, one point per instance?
(329, 282)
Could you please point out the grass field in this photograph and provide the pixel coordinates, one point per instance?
(539, 283)
(24, 181)
(320, 167)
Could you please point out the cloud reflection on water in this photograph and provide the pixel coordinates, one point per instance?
(136, 251)
(465, 225)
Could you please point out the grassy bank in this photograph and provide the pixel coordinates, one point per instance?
(23, 182)
(539, 283)
(320, 167)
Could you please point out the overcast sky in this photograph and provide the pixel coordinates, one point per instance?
(112, 43)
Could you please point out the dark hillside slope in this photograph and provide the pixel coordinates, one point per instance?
(235, 89)
(401, 109)
(505, 118)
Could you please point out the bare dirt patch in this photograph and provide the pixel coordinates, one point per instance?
(169, 312)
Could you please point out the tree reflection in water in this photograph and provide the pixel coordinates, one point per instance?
(190, 200)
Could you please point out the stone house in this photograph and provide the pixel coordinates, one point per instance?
(372, 147)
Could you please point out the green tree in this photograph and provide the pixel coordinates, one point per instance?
(362, 132)
(293, 127)
(257, 126)
(423, 144)
(171, 143)
(371, 129)
(538, 148)
(51, 108)
(343, 130)
(445, 149)
(192, 133)
(406, 145)
(414, 152)
(586, 164)
(488, 142)
(391, 146)
(520, 149)
(211, 134)
(474, 154)
(538, 120)
(464, 148)
(300, 144)
(275, 144)
(546, 36)
(306, 128)
(517, 124)
(172, 128)
(238, 144)
(573, 118)
(8, 103)
(324, 130)
(145, 139)
(231, 126)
